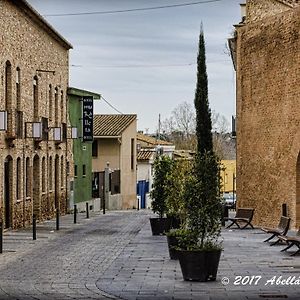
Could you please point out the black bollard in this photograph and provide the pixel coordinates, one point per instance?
(87, 210)
(57, 219)
(34, 227)
(75, 214)
(1, 237)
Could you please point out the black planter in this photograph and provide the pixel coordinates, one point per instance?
(172, 243)
(199, 265)
(160, 226)
(175, 222)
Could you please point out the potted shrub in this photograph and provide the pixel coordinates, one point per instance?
(175, 185)
(199, 247)
(162, 167)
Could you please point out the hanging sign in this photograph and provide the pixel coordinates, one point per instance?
(87, 118)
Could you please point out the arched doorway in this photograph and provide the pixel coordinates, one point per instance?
(56, 182)
(36, 186)
(298, 192)
(8, 185)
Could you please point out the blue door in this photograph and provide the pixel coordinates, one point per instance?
(142, 189)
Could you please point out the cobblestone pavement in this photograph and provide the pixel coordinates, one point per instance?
(114, 256)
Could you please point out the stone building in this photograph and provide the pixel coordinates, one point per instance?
(265, 51)
(34, 156)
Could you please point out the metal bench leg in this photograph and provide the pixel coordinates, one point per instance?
(272, 236)
(275, 243)
(295, 253)
(230, 224)
(288, 247)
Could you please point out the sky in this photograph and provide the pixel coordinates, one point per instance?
(144, 62)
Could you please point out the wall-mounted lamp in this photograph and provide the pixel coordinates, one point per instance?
(3, 120)
(74, 133)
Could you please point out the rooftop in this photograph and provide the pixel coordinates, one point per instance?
(152, 141)
(28, 10)
(111, 125)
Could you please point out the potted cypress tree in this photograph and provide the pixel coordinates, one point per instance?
(199, 247)
(162, 167)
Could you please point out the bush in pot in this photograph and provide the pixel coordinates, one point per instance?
(162, 167)
(175, 185)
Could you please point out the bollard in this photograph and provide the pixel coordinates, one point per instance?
(87, 210)
(34, 227)
(75, 214)
(1, 237)
(57, 219)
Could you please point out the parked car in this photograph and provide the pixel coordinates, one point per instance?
(229, 199)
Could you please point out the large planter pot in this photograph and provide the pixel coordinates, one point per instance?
(160, 226)
(172, 243)
(199, 265)
(175, 222)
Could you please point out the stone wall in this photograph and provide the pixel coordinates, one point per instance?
(268, 116)
(33, 80)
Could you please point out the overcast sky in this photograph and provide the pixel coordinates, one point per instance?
(143, 62)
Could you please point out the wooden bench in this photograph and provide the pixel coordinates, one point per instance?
(291, 240)
(243, 217)
(281, 229)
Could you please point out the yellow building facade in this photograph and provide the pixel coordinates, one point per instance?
(228, 175)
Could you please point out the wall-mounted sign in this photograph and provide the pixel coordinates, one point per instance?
(87, 118)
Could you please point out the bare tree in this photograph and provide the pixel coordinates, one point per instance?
(181, 125)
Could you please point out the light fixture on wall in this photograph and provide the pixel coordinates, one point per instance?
(3, 120)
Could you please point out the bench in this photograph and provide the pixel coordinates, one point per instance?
(291, 241)
(243, 217)
(281, 229)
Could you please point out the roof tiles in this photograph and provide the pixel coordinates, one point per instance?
(111, 125)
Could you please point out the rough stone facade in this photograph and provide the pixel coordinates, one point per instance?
(34, 76)
(268, 111)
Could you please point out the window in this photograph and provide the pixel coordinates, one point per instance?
(132, 154)
(64, 132)
(56, 106)
(18, 88)
(27, 178)
(50, 102)
(45, 129)
(8, 95)
(83, 170)
(62, 105)
(18, 181)
(35, 98)
(75, 171)
(8, 86)
(95, 148)
(19, 124)
(43, 175)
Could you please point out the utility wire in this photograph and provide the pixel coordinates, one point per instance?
(111, 105)
(131, 10)
(135, 66)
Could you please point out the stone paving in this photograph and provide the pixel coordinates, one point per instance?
(114, 256)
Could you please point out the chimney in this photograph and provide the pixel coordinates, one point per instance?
(243, 11)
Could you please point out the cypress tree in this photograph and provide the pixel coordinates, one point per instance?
(203, 113)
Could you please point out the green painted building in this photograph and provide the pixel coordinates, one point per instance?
(82, 151)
